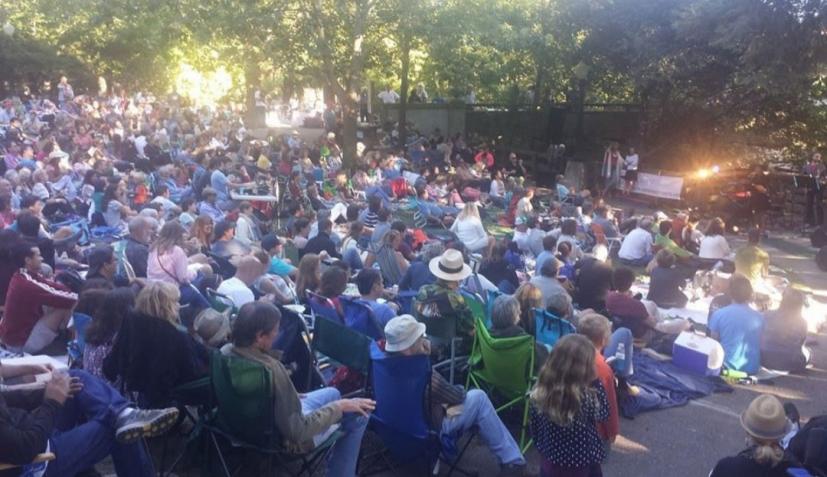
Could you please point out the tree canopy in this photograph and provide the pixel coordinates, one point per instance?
(709, 73)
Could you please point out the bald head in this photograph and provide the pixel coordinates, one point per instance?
(248, 269)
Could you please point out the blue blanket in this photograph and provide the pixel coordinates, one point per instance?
(664, 385)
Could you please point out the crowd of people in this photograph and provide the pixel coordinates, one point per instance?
(148, 235)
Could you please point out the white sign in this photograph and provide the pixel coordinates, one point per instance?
(667, 187)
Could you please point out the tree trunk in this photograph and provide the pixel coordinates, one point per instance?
(252, 81)
(350, 110)
(405, 47)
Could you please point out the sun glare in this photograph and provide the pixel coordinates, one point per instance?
(203, 88)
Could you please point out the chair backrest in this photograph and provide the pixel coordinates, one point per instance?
(360, 317)
(400, 418)
(507, 364)
(489, 305)
(323, 307)
(548, 328)
(244, 399)
(76, 346)
(476, 304)
(220, 302)
(342, 344)
(440, 329)
(291, 252)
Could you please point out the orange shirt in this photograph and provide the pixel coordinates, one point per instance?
(610, 428)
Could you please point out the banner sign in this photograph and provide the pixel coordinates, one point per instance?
(666, 187)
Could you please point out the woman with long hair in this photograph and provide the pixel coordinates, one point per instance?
(566, 404)
(159, 300)
(309, 275)
(113, 205)
(103, 329)
(391, 261)
(530, 298)
(201, 233)
(470, 231)
(168, 263)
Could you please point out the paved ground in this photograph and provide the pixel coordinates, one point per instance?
(687, 441)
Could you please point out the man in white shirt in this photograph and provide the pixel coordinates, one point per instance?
(636, 249)
(237, 288)
(630, 165)
(246, 230)
(389, 96)
(528, 238)
(524, 205)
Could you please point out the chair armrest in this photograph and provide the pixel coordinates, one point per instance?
(43, 457)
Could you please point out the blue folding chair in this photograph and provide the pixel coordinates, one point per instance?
(74, 349)
(401, 418)
(549, 328)
(360, 317)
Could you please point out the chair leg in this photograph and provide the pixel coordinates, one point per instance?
(455, 465)
(220, 455)
(523, 444)
(453, 363)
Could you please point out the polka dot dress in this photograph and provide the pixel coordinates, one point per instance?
(576, 445)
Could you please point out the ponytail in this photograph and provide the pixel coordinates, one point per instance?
(767, 452)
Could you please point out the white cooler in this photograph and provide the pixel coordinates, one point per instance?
(698, 354)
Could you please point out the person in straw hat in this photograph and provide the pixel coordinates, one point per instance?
(454, 411)
(766, 424)
(442, 299)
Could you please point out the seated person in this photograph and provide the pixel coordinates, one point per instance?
(237, 288)
(751, 260)
(226, 245)
(406, 337)
(568, 232)
(418, 274)
(371, 288)
(322, 242)
(505, 323)
(636, 248)
(667, 281)
(564, 256)
(664, 241)
(785, 330)
(598, 330)
(95, 422)
(36, 309)
(766, 424)
(500, 272)
(738, 328)
(442, 299)
(305, 420)
(549, 249)
(271, 244)
(714, 246)
(601, 218)
(625, 309)
(593, 280)
(546, 280)
(390, 260)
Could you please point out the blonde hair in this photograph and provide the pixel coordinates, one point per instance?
(595, 327)
(470, 211)
(766, 452)
(564, 380)
(159, 300)
(530, 297)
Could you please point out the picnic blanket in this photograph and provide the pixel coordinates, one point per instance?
(664, 385)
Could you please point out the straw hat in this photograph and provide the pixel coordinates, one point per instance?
(765, 418)
(450, 266)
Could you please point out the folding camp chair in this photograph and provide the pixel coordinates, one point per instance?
(548, 328)
(220, 302)
(74, 349)
(244, 418)
(291, 252)
(195, 395)
(345, 346)
(477, 306)
(42, 458)
(504, 365)
(401, 418)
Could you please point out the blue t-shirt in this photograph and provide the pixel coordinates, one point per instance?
(544, 255)
(383, 312)
(280, 267)
(218, 181)
(739, 328)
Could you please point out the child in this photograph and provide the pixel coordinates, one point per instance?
(566, 404)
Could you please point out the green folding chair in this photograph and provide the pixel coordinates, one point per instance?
(477, 306)
(504, 365)
(442, 332)
(344, 346)
(244, 417)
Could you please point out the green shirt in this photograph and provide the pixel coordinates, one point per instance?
(752, 262)
(436, 301)
(667, 243)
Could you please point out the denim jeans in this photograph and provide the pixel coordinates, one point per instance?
(85, 433)
(622, 365)
(638, 262)
(345, 453)
(478, 411)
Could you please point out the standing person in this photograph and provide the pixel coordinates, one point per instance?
(389, 96)
(815, 172)
(65, 93)
(567, 403)
(612, 164)
(766, 424)
(631, 164)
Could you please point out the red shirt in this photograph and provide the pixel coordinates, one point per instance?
(486, 158)
(610, 428)
(25, 298)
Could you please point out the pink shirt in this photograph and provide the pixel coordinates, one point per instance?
(169, 267)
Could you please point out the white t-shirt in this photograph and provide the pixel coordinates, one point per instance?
(632, 162)
(237, 290)
(636, 245)
(524, 207)
(389, 97)
(714, 246)
(496, 189)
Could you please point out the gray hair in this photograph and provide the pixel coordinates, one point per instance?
(549, 268)
(506, 312)
(139, 222)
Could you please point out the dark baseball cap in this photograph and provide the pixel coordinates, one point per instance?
(269, 241)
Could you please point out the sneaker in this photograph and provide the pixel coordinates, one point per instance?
(145, 423)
